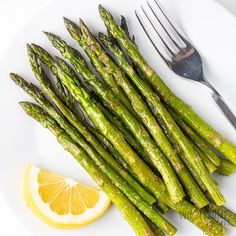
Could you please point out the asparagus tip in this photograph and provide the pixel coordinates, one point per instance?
(122, 17)
(104, 13)
(17, 79)
(30, 50)
(34, 46)
(12, 75)
(66, 20)
(72, 28)
(101, 8)
(82, 24)
(49, 35)
(28, 45)
(23, 104)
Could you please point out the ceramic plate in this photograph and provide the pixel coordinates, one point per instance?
(210, 28)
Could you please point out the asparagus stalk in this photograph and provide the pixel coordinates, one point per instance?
(225, 213)
(135, 126)
(181, 154)
(37, 94)
(100, 65)
(127, 134)
(209, 165)
(154, 228)
(152, 182)
(127, 209)
(196, 139)
(162, 114)
(61, 92)
(226, 167)
(190, 117)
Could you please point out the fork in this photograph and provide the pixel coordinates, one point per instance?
(185, 61)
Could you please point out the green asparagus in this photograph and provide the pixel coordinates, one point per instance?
(161, 113)
(196, 139)
(77, 124)
(190, 117)
(225, 213)
(127, 134)
(226, 167)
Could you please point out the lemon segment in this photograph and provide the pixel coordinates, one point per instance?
(62, 202)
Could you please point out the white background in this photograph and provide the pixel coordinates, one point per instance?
(13, 15)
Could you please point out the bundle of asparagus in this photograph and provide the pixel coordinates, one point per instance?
(142, 144)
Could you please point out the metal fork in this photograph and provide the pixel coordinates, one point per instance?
(185, 61)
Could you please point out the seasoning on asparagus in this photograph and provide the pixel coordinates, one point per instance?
(196, 139)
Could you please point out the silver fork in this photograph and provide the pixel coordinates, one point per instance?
(186, 62)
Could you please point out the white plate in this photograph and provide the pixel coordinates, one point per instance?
(211, 29)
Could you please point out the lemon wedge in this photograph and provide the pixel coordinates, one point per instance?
(62, 202)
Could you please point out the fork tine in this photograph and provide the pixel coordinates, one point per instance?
(148, 35)
(179, 34)
(163, 41)
(171, 38)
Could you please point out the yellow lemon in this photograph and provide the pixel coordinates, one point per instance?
(62, 202)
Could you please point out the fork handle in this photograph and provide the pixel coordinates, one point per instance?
(219, 101)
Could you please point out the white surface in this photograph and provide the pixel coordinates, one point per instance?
(14, 14)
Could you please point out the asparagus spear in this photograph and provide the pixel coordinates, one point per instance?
(149, 199)
(152, 182)
(196, 139)
(226, 168)
(162, 114)
(209, 165)
(127, 209)
(190, 117)
(127, 134)
(225, 213)
(61, 92)
(135, 126)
